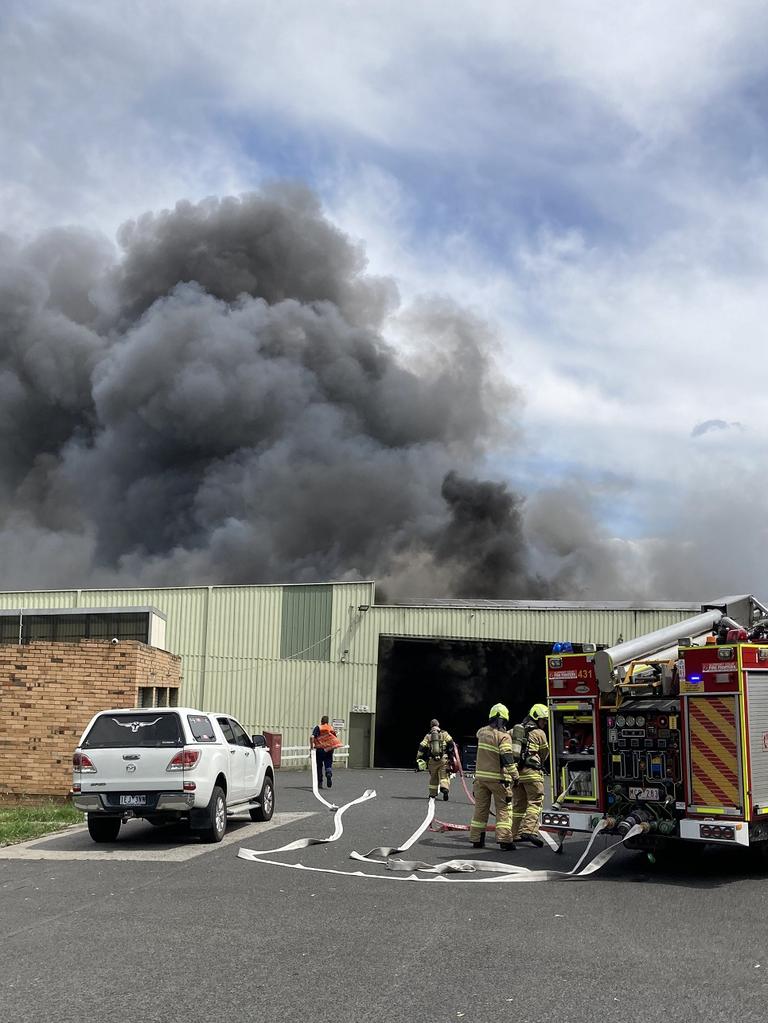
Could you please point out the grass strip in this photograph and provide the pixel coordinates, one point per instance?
(20, 823)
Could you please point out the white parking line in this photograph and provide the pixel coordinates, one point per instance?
(148, 851)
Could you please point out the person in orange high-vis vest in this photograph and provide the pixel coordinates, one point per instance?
(324, 742)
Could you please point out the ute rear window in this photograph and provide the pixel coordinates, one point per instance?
(117, 731)
(201, 728)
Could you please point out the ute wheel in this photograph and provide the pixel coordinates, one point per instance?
(217, 815)
(267, 800)
(103, 829)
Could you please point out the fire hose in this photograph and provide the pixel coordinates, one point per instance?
(415, 869)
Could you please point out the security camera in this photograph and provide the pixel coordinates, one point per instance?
(114, 641)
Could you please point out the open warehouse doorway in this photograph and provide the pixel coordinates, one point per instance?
(456, 681)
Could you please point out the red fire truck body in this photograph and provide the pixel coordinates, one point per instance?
(676, 740)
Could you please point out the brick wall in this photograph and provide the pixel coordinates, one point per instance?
(49, 692)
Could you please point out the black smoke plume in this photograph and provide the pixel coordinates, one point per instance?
(215, 403)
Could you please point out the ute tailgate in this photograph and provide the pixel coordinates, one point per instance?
(131, 751)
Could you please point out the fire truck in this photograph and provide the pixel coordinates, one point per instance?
(668, 731)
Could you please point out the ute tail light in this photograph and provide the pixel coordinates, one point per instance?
(184, 760)
(83, 763)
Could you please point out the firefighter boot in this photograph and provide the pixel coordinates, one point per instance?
(533, 839)
(480, 844)
(445, 794)
(507, 846)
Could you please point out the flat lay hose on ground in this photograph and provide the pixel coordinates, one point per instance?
(416, 869)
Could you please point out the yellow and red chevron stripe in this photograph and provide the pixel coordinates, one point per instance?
(714, 751)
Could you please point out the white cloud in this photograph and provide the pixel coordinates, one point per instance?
(639, 344)
(112, 106)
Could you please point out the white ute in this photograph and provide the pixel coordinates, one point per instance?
(170, 763)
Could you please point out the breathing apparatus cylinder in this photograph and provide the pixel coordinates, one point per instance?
(435, 745)
(517, 735)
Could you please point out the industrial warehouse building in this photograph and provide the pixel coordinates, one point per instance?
(278, 657)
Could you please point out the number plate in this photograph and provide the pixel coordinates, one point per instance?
(133, 800)
(652, 794)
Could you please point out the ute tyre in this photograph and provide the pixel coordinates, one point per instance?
(217, 815)
(264, 811)
(103, 829)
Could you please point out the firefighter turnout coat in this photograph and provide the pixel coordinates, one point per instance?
(492, 782)
(528, 793)
(438, 766)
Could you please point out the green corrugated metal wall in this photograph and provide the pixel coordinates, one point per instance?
(232, 642)
(306, 623)
(253, 650)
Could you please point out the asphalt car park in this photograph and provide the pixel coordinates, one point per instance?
(157, 936)
(139, 840)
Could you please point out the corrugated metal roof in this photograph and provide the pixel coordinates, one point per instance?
(220, 586)
(553, 605)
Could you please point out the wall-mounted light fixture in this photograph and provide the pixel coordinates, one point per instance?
(363, 607)
(344, 656)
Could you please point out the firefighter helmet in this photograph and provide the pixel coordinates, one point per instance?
(498, 710)
(539, 712)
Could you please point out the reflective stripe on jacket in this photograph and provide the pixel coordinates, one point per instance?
(491, 743)
(536, 750)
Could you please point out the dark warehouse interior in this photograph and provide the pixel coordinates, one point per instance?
(456, 681)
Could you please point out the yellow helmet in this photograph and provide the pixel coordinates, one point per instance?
(498, 710)
(539, 712)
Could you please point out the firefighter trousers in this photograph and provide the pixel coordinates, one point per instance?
(527, 801)
(484, 790)
(439, 775)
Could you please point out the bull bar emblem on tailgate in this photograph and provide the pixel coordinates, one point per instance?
(135, 725)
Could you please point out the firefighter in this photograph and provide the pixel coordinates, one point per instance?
(528, 792)
(495, 773)
(435, 754)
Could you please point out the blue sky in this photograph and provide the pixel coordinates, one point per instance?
(591, 179)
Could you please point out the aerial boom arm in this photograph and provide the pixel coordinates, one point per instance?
(608, 659)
